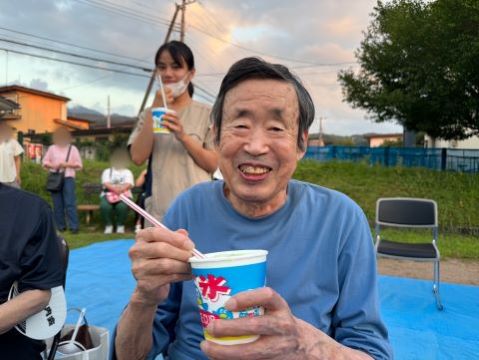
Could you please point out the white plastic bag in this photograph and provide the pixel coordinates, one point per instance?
(101, 342)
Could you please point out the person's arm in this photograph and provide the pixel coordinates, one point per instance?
(205, 158)
(47, 160)
(159, 262)
(129, 181)
(74, 162)
(141, 179)
(359, 332)
(142, 138)
(106, 181)
(282, 335)
(21, 307)
(359, 325)
(18, 167)
(145, 331)
(134, 334)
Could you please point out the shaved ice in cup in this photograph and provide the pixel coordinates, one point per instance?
(221, 275)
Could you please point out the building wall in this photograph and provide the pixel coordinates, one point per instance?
(470, 143)
(378, 141)
(37, 112)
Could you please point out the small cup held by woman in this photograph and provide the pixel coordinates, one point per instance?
(221, 275)
(157, 115)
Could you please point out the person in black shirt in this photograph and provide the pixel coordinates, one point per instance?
(30, 255)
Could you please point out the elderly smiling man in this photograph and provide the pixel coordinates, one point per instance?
(321, 300)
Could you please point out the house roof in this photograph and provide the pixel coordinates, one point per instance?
(380, 136)
(76, 118)
(67, 123)
(11, 88)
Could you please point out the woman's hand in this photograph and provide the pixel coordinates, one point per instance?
(158, 101)
(173, 123)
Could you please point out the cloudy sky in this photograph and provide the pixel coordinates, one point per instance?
(315, 38)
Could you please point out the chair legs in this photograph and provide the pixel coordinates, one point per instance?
(435, 287)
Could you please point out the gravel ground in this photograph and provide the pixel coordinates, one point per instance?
(452, 270)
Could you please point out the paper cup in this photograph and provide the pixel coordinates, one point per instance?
(157, 115)
(221, 275)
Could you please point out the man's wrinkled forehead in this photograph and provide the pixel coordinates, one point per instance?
(279, 98)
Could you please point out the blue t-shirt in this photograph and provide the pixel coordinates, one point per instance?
(321, 261)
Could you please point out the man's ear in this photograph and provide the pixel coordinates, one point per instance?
(301, 152)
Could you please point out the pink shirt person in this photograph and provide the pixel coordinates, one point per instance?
(57, 155)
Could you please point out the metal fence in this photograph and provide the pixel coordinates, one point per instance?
(432, 158)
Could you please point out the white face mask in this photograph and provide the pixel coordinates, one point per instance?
(177, 88)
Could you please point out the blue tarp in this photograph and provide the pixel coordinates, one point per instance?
(99, 278)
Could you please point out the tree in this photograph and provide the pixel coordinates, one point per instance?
(420, 67)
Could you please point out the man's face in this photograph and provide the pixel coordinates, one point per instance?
(258, 148)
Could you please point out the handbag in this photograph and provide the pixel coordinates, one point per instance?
(55, 178)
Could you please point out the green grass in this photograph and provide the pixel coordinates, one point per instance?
(457, 194)
(87, 238)
(450, 245)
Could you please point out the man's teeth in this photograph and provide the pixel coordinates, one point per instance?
(257, 170)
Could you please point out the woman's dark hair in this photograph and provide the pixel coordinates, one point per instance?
(180, 53)
(256, 68)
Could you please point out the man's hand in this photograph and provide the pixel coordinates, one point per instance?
(282, 336)
(159, 257)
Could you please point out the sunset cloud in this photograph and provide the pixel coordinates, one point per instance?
(297, 34)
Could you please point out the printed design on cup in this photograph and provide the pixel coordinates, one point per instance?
(157, 116)
(212, 287)
(213, 293)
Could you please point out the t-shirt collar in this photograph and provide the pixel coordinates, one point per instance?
(229, 207)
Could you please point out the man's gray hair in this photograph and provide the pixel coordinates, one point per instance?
(256, 68)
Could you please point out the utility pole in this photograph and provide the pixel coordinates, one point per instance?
(183, 10)
(181, 7)
(108, 115)
(6, 67)
(320, 136)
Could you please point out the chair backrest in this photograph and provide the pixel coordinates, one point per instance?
(406, 212)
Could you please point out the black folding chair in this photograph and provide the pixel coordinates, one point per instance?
(65, 254)
(409, 213)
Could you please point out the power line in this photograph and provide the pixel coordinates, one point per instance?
(73, 62)
(126, 12)
(70, 44)
(201, 88)
(75, 55)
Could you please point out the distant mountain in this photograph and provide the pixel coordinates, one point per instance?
(98, 119)
(78, 109)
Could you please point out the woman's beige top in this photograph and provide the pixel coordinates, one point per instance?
(173, 169)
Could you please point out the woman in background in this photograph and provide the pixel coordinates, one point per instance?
(185, 156)
(116, 180)
(64, 156)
